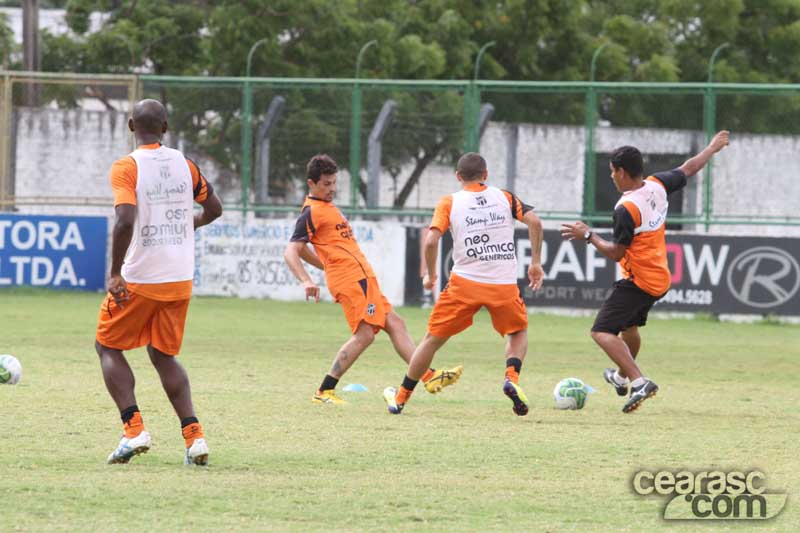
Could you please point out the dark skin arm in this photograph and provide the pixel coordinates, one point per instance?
(120, 240)
(212, 210)
(611, 250)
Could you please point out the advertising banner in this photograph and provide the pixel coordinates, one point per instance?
(63, 252)
(746, 275)
(245, 259)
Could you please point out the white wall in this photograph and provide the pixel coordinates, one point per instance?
(69, 153)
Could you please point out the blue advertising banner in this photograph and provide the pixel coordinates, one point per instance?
(63, 252)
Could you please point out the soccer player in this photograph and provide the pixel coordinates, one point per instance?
(350, 280)
(150, 284)
(638, 245)
(481, 219)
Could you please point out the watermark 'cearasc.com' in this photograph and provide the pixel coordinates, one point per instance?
(711, 495)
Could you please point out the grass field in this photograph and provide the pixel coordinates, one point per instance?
(457, 461)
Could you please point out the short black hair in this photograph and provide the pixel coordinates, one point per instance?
(471, 166)
(628, 158)
(320, 164)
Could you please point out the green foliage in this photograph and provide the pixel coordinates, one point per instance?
(648, 40)
(6, 41)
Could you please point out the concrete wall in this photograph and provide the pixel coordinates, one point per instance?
(69, 153)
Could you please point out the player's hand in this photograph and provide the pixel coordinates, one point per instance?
(428, 281)
(535, 276)
(720, 140)
(312, 290)
(118, 288)
(574, 231)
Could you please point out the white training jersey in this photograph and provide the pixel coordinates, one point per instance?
(651, 199)
(482, 224)
(162, 248)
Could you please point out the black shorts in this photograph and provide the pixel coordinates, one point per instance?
(627, 306)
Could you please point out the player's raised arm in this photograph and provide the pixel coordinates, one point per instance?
(694, 164)
(431, 251)
(292, 255)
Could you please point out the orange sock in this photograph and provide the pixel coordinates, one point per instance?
(403, 394)
(134, 426)
(191, 432)
(512, 375)
(428, 374)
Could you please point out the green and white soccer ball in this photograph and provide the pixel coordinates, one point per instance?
(10, 370)
(570, 393)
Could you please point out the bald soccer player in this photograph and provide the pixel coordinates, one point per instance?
(150, 283)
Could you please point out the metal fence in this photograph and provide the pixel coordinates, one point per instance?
(397, 140)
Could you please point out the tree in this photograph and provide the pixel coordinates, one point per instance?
(648, 40)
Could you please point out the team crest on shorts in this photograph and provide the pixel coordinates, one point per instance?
(370, 309)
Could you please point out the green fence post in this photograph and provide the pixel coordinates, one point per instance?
(589, 158)
(709, 125)
(247, 127)
(472, 134)
(355, 130)
(468, 116)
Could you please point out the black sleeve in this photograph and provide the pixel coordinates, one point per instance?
(518, 207)
(623, 226)
(304, 228)
(202, 182)
(673, 180)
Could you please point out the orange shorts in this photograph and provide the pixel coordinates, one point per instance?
(462, 298)
(142, 321)
(362, 301)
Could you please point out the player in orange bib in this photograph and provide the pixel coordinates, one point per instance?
(640, 248)
(150, 284)
(481, 220)
(350, 279)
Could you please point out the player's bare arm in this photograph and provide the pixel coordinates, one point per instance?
(578, 231)
(535, 271)
(120, 240)
(310, 256)
(431, 251)
(212, 210)
(694, 164)
(292, 255)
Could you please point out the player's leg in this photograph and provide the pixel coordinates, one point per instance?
(627, 306)
(632, 339)
(398, 333)
(167, 336)
(510, 318)
(449, 317)
(614, 315)
(118, 376)
(434, 380)
(362, 337)
(124, 329)
(419, 365)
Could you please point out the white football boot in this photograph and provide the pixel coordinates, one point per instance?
(128, 448)
(197, 453)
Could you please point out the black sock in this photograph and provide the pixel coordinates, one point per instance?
(127, 413)
(189, 420)
(515, 362)
(409, 383)
(329, 382)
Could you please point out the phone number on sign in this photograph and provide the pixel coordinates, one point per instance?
(689, 296)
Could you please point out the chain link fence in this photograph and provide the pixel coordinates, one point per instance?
(397, 141)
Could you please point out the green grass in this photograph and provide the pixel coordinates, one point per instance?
(457, 461)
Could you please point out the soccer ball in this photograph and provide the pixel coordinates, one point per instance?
(10, 370)
(570, 393)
